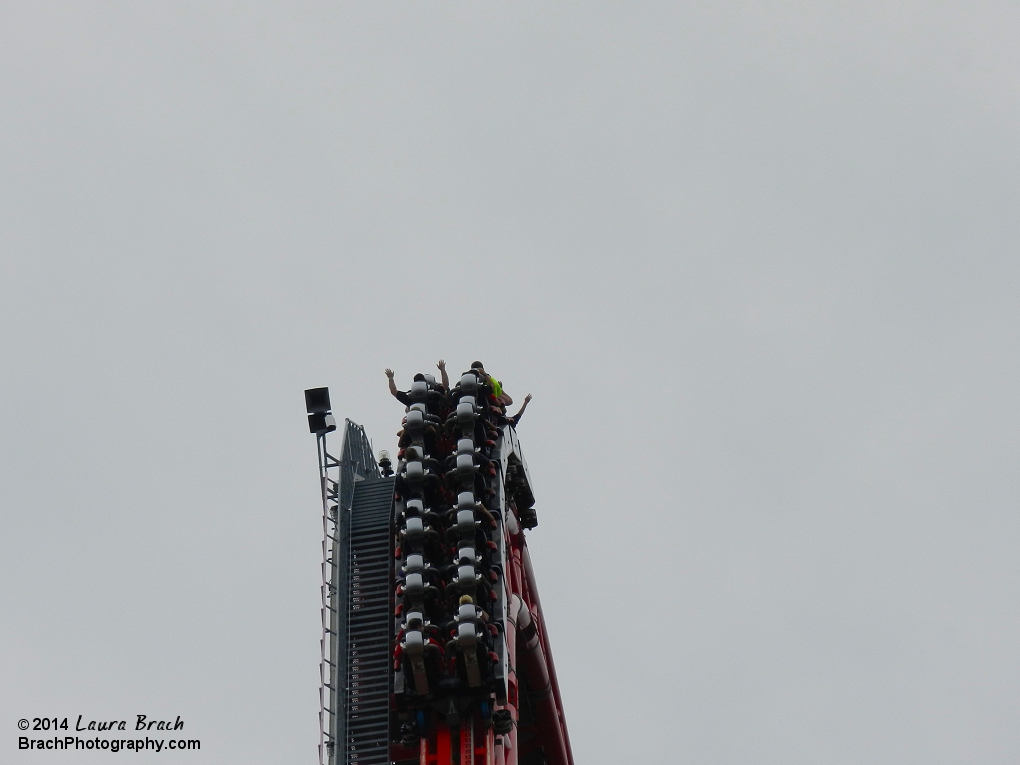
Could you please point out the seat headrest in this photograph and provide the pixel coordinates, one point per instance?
(414, 585)
(419, 390)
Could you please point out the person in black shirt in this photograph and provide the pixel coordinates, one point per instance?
(517, 417)
(400, 395)
(404, 397)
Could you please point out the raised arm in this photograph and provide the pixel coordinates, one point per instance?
(393, 385)
(524, 405)
(517, 417)
(442, 370)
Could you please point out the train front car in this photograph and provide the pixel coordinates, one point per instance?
(473, 676)
(471, 679)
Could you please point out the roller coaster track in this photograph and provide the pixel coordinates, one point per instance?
(434, 647)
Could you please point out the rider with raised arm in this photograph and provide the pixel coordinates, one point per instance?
(404, 397)
(517, 417)
(400, 395)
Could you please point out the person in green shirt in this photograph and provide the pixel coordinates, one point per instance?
(498, 393)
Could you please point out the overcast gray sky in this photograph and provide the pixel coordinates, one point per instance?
(756, 261)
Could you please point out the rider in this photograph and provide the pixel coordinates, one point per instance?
(403, 396)
(517, 417)
(498, 394)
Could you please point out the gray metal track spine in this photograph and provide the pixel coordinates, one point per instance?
(364, 652)
(351, 559)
